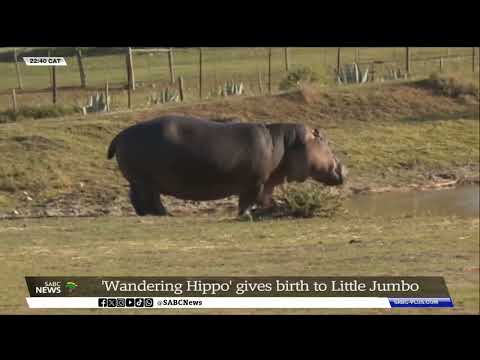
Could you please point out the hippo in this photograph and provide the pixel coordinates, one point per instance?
(198, 159)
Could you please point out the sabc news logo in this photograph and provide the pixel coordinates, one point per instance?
(55, 287)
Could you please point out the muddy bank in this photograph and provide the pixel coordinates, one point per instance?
(446, 181)
(76, 205)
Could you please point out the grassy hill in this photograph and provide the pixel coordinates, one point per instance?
(388, 135)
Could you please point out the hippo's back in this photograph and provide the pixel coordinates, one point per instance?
(194, 158)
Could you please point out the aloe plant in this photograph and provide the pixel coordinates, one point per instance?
(352, 74)
(393, 74)
(231, 88)
(165, 96)
(97, 103)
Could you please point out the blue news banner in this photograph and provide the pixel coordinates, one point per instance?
(420, 302)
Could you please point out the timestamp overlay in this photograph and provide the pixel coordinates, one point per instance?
(45, 61)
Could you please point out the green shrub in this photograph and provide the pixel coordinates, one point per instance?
(298, 76)
(309, 200)
(37, 112)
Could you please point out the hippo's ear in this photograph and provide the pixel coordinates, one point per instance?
(317, 134)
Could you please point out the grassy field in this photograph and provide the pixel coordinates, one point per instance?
(220, 65)
(216, 246)
(388, 135)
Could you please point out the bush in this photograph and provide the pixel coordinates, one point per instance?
(298, 76)
(309, 200)
(37, 112)
(450, 85)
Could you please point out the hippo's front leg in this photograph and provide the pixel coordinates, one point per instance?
(266, 197)
(248, 198)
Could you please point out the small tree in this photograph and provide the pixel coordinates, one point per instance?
(298, 76)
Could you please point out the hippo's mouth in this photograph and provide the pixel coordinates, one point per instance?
(340, 174)
(335, 178)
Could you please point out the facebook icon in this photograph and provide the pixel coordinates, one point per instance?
(102, 302)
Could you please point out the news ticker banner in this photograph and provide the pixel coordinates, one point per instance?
(237, 292)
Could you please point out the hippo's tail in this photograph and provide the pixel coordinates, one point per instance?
(112, 148)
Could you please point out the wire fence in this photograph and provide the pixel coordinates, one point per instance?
(205, 72)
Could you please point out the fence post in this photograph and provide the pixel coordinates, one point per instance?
(83, 77)
(260, 87)
(338, 61)
(54, 84)
(287, 61)
(106, 97)
(441, 64)
(200, 72)
(129, 97)
(407, 61)
(14, 100)
(269, 70)
(50, 69)
(170, 65)
(180, 87)
(473, 59)
(130, 73)
(17, 69)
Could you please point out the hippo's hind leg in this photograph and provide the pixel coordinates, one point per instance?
(141, 199)
(158, 208)
(146, 201)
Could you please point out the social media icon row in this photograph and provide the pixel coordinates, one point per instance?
(125, 302)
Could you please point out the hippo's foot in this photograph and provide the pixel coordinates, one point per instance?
(246, 216)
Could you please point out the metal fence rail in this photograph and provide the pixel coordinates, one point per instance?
(137, 73)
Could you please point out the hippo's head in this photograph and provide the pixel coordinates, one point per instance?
(323, 165)
(307, 154)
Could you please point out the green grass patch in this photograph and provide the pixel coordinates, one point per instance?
(38, 112)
